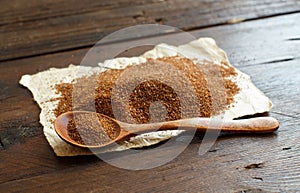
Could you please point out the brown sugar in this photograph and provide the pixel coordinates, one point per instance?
(209, 83)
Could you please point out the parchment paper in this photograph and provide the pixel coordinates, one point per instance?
(248, 101)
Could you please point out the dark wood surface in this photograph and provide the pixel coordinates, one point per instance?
(38, 35)
(42, 27)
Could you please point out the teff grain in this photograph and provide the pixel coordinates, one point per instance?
(92, 129)
(95, 93)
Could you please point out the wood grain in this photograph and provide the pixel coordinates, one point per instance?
(267, 49)
(49, 26)
(226, 168)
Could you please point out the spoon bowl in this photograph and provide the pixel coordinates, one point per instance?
(61, 125)
(82, 129)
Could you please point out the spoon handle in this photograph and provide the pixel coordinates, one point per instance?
(252, 125)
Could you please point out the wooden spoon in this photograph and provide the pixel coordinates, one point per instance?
(117, 130)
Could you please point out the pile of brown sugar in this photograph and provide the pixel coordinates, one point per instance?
(202, 89)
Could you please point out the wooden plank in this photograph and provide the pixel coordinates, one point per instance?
(268, 35)
(21, 11)
(28, 163)
(44, 27)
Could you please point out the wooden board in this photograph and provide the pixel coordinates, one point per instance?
(40, 27)
(266, 49)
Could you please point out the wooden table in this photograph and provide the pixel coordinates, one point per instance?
(37, 35)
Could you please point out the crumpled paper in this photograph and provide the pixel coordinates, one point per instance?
(248, 101)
